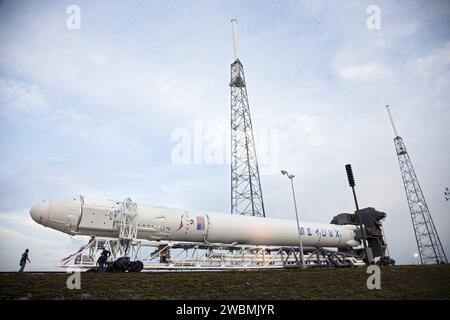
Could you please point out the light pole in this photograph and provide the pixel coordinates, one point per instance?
(291, 177)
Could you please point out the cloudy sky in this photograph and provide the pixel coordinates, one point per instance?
(98, 110)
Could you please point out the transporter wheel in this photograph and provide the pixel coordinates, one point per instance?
(110, 267)
(121, 265)
(138, 266)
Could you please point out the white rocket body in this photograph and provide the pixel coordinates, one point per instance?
(94, 216)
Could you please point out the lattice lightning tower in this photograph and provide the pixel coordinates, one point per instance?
(246, 192)
(427, 238)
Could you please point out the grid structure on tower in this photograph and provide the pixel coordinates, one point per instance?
(427, 238)
(246, 191)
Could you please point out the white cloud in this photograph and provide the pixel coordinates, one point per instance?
(365, 72)
(170, 189)
(21, 98)
(432, 68)
(437, 60)
(403, 30)
(9, 236)
(308, 127)
(20, 217)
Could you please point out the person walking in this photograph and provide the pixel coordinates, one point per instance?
(23, 260)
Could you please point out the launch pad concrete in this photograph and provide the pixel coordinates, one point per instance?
(397, 282)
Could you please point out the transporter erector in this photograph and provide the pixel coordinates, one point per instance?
(105, 218)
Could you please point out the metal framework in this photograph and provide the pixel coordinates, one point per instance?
(246, 192)
(126, 220)
(207, 256)
(86, 257)
(126, 244)
(428, 242)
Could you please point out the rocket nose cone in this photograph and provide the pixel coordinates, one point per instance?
(40, 212)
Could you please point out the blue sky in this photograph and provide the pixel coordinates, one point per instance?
(93, 111)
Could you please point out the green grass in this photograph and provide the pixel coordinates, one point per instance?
(398, 282)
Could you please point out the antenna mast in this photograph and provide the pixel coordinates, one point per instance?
(246, 192)
(427, 238)
(392, 121)
(235, 47)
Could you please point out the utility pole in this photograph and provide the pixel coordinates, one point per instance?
(246, 191)
(427, 238)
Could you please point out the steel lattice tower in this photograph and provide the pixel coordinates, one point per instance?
(427, 238)
(246, 192)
